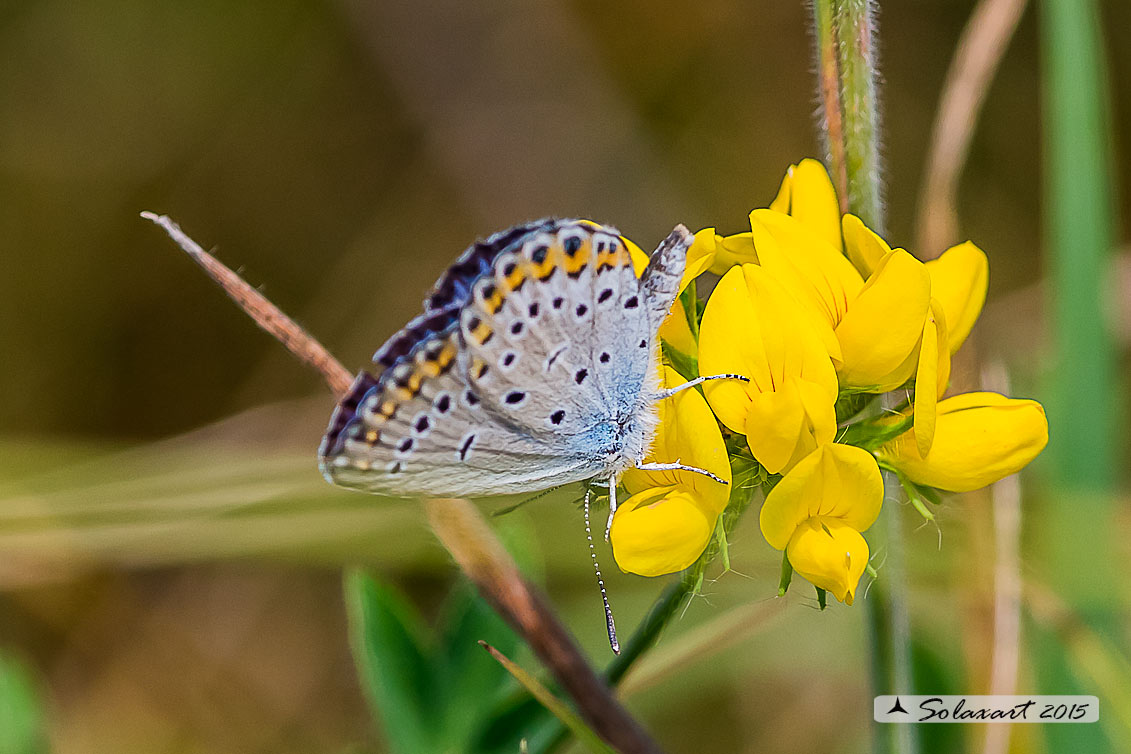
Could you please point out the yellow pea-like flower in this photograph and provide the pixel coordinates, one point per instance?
(669, 517)
(807, 193)
(817, 511)
(959, 279)
(753, 328)
(979, 438)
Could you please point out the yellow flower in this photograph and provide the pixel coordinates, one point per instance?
(817, 511)
(979, 438)
(669, 517)
(807, 193)
(959, 279)
(870, 328)
(753, 328)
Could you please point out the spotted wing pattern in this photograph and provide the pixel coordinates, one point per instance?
(533, 354)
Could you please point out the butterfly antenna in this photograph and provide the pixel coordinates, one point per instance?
(512, 508)
(259, 308)
(612, 627)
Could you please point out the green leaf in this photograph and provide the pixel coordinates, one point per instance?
(388, 641)
(472, 681)
(21, 712)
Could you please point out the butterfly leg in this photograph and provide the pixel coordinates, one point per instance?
(677, 466)
(612, 506)
(609, 624)
(698, 381)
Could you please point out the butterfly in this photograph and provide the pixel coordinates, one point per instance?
(534, 364)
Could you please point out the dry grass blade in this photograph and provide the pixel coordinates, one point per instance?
(469, 539)
(718, 634)
(556, 707)
(266, 315)
(979, 52)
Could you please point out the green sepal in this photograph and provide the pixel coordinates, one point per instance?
(849, 404)
(689, 300)
(873, 433)
(822, 597)
(786, 575)
(686, 364)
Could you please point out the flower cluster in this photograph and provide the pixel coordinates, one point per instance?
(822, 316)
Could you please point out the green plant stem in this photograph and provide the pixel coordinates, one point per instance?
(1079, 229)
(667, 606)
(1078, 527)
(853, 29)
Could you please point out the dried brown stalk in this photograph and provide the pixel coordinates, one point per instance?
(469, 539)
(976, 59)
(266, 315)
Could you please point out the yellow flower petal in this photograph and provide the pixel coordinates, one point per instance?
(733, 250)
(979, 439)
(689, 433)
(784, 196)
(836, 481)
(884, 323)
(639, 256)
(926, 379)
(807, 193)
(811, 268)
(660, 530)
(752, 328)
(863, 246)
(676, 330)
(830, 554)
(959, 279)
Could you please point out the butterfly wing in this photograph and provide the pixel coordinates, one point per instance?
(557, 339)
(526, 368)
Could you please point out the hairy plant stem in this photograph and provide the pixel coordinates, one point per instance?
(854, 27)
(853, 33)
(831, 112)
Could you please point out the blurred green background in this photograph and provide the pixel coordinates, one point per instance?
(169, 555)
